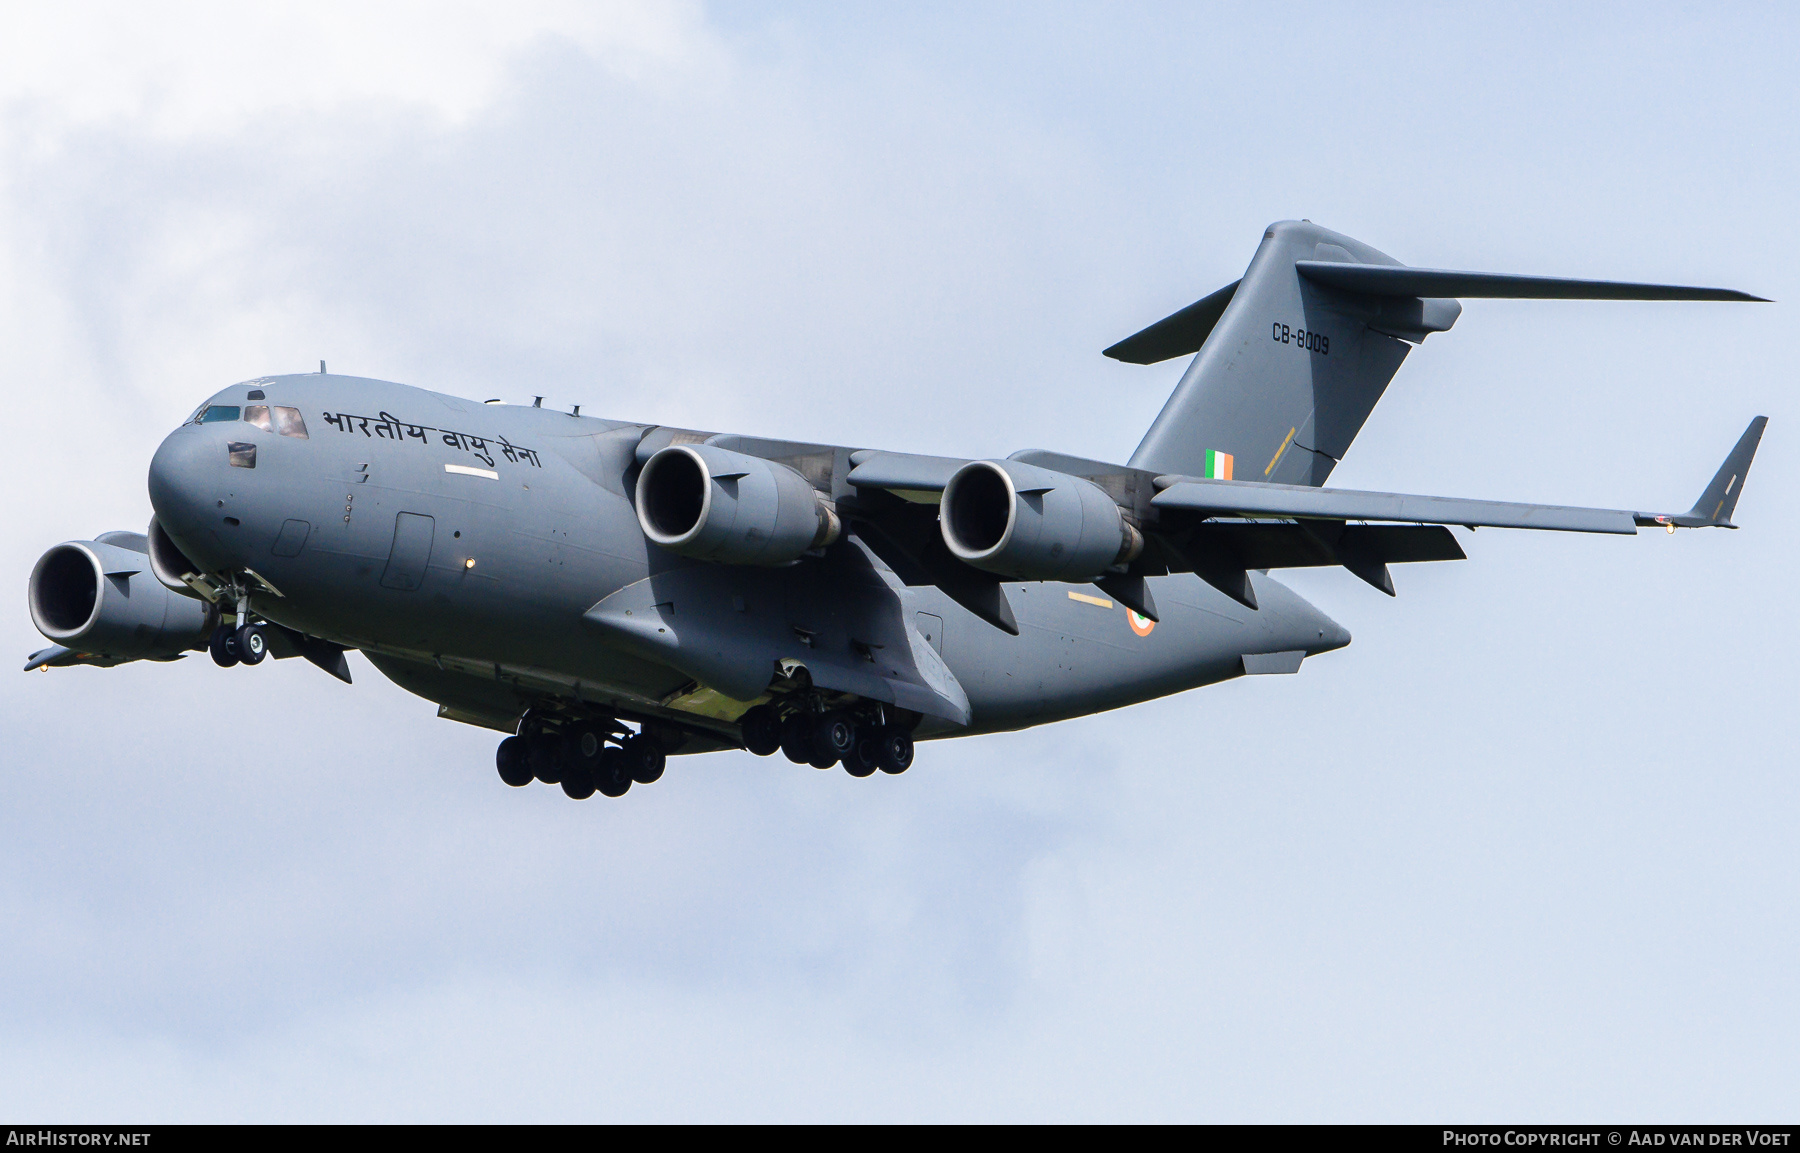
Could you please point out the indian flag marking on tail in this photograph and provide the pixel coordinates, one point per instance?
(1218, 465)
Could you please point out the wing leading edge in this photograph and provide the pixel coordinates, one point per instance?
(1223, 529)
(1254, 499)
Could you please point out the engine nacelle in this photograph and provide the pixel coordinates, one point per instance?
(1030, 523)
(169, 564)
(100, 598)
(713, 504)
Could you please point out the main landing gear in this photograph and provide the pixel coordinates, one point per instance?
(861, 742)
(577, 756)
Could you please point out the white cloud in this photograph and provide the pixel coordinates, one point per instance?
(1526, 833)
(197, 66)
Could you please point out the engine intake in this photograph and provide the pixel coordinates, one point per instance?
(100, 598)
(1018, 520)
(713, 504)
(169, 564)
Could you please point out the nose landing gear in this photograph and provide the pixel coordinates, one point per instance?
(246, 644)
(244, 641)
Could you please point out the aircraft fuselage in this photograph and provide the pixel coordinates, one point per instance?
(461, 546)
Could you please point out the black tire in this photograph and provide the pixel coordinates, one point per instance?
(894, 751)
(834, 735)
(509, 758)
(583, 745)
(544, 754)
(863, 762)
(252, 644)
(613, 777)
(761, 730)
(644, 760)
(223, 647)
(796, 739)
(578, 784)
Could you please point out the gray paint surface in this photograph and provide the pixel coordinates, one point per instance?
(1519, 852)
(508, 556)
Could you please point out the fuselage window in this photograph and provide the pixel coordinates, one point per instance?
(258, 414)
(288, 422)
(217, 412)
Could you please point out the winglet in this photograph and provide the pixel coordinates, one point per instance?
(1719, 501)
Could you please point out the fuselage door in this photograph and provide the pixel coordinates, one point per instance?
(411, 553)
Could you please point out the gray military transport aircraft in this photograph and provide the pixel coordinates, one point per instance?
(563, 578)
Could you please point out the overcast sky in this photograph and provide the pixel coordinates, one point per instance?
(1524, 850)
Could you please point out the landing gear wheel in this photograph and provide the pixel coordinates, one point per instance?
(761, 729)
(578, 784)
(796, 739)
(834, 736)
(252, 644)
(223, 647)
(894, 751)
(510, 759)
(613, 777)
(583, 745)
(644, 760)
(864, 760)
(543, 754)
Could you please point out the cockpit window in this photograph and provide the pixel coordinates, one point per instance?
(288, 422)
(258, 414)
(218, 412)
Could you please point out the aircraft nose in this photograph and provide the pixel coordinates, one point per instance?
(183, 477)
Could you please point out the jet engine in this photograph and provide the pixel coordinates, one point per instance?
(1030, 523)
(101, 598)
(168, 563)
(713, 504)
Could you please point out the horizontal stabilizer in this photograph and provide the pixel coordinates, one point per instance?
(1178, 334)
(1398, 280)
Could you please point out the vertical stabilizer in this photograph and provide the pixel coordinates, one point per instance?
(1288, 369)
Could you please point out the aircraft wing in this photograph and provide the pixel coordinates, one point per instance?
(1254, 499)
(1238, 498)
(1222, 529)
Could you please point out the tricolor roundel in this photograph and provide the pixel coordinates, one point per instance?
(1141, 625)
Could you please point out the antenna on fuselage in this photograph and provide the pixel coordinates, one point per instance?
(576, 411)
(537, 402)
(321, 368)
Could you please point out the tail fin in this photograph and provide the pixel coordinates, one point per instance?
(1293, 357)
(1288, 370)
